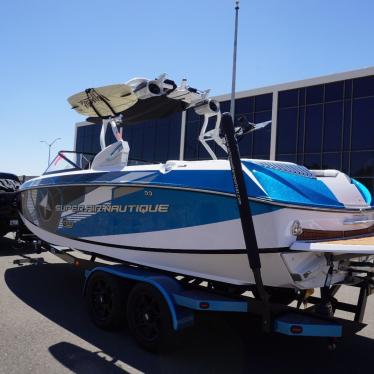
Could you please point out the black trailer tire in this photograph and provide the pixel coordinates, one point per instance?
(149, 319)
(105, 300)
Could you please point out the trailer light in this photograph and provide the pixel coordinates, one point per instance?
(295, 329)
(77, 263)
(204, 305)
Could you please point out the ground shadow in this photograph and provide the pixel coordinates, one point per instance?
(81, 361)
(218, 344)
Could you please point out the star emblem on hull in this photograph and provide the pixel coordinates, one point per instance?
(46, 209)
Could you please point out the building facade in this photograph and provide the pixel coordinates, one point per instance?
(322, 123)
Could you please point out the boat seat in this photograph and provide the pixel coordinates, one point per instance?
(112, 157)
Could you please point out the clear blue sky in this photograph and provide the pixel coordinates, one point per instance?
(51, 49)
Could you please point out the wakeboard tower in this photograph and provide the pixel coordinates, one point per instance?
(182, 216)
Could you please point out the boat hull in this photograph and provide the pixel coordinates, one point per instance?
(183, 231)
(222, 266)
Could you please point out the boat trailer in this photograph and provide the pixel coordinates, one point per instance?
(159, 305)
(147, 297)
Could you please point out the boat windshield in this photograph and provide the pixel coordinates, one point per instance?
(70, 160)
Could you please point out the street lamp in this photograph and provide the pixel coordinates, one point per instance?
(49, 148)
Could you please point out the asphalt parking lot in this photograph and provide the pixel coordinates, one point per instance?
(44, 328)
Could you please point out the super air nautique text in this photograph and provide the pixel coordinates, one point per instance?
(107, 208)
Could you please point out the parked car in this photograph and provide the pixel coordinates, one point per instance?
(9, 219)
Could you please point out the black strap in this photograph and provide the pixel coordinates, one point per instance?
(227, 128)
(89, 92)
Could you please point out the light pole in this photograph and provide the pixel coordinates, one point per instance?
(232, 104)
(49, 148)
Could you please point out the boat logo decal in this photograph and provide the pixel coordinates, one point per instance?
(107, 208)
(67, 224)
(45, 206)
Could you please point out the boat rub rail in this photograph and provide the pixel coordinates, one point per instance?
(311, 234)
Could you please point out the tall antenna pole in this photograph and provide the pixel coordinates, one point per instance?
(232, 104)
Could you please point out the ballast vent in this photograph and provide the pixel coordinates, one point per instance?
(287, 167)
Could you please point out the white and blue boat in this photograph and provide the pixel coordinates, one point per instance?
(181, 216)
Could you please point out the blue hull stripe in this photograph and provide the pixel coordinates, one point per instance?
(185, 209)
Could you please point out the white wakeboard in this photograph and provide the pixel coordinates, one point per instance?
(94, 102)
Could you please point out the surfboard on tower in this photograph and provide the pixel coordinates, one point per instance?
(103, 101)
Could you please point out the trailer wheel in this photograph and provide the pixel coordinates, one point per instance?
(105, 301)
(149, 318)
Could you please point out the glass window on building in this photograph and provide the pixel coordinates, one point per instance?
(261, 138)
(334, 91)
(287, 130)
(314, 94)
(313, 128)
(333, 126)
(80, 138)
(153, 141)
(363, 87)
(312, 161)
(288, 99)
(363, 124)
(329, 126)
(332, 160)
